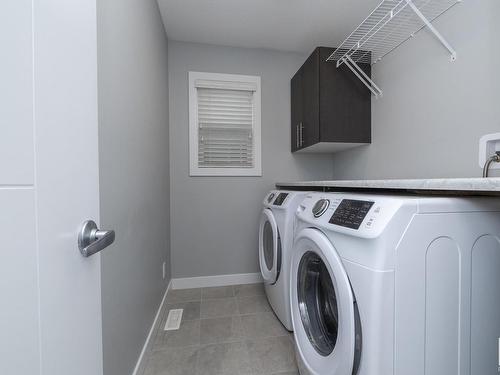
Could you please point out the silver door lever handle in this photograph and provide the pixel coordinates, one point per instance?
(92, 240)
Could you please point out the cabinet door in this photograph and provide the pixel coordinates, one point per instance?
(345, 103)
(309, 127)
(297, 112)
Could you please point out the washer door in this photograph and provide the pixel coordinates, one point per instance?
(269, 247)
(324, 313)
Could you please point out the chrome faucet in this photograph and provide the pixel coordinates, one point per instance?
(494, 158)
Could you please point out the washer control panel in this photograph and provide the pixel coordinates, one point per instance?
(350, 213)
(356, 214)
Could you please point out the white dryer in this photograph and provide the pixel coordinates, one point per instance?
(275, 244)
(393, 285)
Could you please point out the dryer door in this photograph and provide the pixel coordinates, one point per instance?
(269, 247)
(324, 312)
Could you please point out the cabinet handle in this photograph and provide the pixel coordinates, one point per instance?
(297, 139)
(301, 132)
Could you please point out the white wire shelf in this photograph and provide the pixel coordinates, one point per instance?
(391, 24)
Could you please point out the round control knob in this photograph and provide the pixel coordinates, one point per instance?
(270, 198)
(320, 207)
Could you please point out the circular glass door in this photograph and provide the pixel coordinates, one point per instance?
(269, 247)
(317, 303)
(324, 311)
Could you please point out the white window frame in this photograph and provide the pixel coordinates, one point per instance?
(233, 79)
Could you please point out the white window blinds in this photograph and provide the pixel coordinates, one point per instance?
(224, 125)
(225, 128)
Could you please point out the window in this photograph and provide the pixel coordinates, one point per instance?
(224, 125)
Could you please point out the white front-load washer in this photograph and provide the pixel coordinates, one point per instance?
(276, 231)
(395, 285)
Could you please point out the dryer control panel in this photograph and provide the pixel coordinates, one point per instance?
(282, 200)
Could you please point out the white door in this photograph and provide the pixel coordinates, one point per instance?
(50, 315)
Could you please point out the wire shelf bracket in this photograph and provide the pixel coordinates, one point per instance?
(437, 34)
(363, 77)
(391, 24)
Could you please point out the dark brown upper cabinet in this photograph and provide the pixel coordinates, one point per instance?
(331, 108)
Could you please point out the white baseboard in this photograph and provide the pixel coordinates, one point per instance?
(217, 280)
(151, 330)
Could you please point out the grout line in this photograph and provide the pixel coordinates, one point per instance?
(214, 287)
(238, 306)
(229, 341)
(179, 302)
(238, 315)
(217, 298)
(214, 298)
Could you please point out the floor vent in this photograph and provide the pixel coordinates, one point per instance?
(173, 320)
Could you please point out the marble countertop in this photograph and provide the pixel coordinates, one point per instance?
(451, 186)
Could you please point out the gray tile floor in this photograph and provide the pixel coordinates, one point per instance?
(224, 330)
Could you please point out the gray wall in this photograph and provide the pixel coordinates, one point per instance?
(215, 219)
(433, 112)
(134, 174)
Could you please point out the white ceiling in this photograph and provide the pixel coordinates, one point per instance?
(287, 25)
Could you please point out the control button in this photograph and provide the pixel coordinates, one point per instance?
(377, 210)
(369, 223)
(270, 198)
(320, 207)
